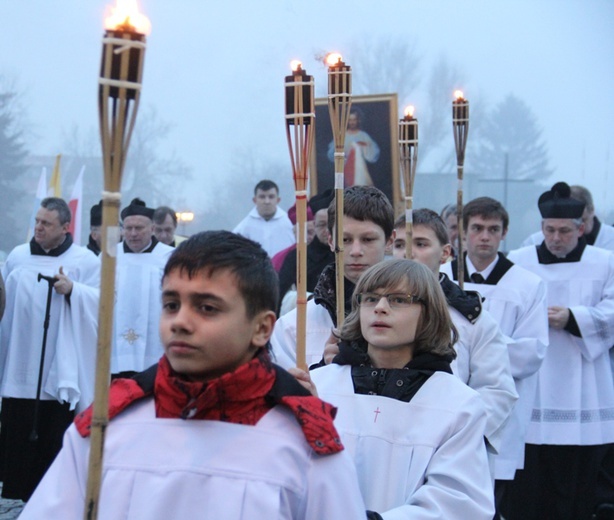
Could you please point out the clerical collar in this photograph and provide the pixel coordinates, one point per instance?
(592, 236)
(501, 266)
(485, 272)
(148, 249)
(36, 249)
(544, 256)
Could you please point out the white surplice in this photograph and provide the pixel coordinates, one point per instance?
(68, 368)
(518, 304)
(424, 459)
(482, 363)
(319, 326)
(273, 235)
(138, 304)
(574, 403)
(210, 470)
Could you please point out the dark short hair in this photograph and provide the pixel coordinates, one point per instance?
(159, 215)
(59, 205)
(435, 333)
(427, 218)
(486, 208)
(364, 203)
(266, 185)
(211, 251)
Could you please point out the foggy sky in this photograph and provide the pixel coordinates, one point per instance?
(215, 70)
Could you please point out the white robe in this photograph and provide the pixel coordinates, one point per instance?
(68, 369)
(273, 235)
(482, 362)
(176, 469)
(425, 459)
(138, 304)
(518, 304)
(318, 329)
(574, 403)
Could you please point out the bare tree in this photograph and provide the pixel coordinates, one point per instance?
(386, 65)
(436, 137)
(148, 173)
(13, 155)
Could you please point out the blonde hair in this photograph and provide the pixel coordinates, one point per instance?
(435, 333)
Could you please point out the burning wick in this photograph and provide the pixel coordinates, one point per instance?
(409, 112)
(458, 95)
(296, 66)
(125, 17)
(333, 59)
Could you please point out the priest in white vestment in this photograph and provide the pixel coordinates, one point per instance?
(67, 367)
(140, 263)
(572, 421)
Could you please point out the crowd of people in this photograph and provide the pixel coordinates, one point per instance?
(437, 398)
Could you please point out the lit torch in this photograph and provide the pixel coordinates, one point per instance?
(408, 150)
(339, 102)
(300, 125)
(460, 125)
(123, 50)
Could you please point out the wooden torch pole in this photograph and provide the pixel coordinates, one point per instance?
(408, 152)
(339, 102)
(123, 51)
(460, 125)
(300, 124)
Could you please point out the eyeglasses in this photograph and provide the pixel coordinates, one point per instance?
(395, 300)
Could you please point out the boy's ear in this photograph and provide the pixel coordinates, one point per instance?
(263, 328)
(330, 242)
(446, 253)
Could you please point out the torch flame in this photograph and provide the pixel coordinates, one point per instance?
(126, 14)
(458, 95)
(332, 58)
(409, 111)
(296, 65)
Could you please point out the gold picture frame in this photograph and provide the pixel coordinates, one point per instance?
(378, 121)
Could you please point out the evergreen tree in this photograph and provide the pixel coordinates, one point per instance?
(511, 144)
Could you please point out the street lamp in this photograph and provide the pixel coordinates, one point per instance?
(183, 217)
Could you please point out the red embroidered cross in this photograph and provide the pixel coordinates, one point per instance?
(376, 412)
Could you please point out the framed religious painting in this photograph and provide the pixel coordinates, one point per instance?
(371, 146)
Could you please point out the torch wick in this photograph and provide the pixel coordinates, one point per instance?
(127, 26)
